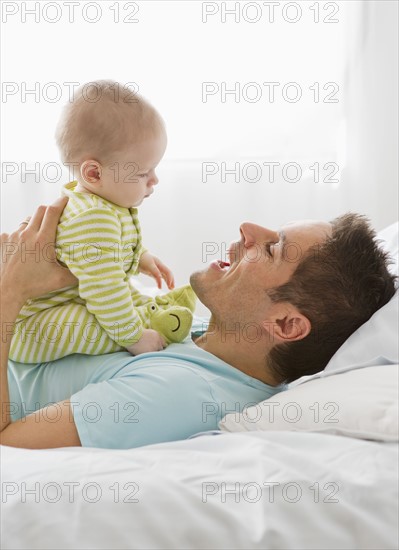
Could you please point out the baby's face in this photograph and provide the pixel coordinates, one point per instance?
(130, 178)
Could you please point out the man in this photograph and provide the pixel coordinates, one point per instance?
(280, 310)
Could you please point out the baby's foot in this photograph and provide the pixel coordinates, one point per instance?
(183, 296)
(173, 323)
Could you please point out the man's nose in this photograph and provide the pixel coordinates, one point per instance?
(253, 234)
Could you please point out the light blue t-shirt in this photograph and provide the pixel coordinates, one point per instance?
(120, 401)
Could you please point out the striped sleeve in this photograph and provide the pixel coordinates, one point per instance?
(90, 245)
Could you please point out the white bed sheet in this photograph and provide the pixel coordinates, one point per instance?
(175, 509)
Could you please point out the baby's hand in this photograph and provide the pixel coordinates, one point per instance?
(152, 266)
(150, 340)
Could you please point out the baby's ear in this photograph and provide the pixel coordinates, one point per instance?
(90, 171)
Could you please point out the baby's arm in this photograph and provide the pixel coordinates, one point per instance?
(91, 248)
(152, 266)
(150, 340)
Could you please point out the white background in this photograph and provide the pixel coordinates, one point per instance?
(170, 52)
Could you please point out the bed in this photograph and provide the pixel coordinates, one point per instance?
(315, 466)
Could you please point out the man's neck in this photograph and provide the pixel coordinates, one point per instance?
(243, 351)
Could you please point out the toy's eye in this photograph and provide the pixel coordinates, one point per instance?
(153, 307)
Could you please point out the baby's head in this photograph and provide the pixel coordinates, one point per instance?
(114, 139)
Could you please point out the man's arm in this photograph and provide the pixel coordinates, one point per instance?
(52, 426)
(47, 428)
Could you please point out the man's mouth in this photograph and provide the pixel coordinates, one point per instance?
(219, 265)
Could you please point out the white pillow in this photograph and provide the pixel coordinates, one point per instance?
(361, 403)
(389, 236)
(376, 341)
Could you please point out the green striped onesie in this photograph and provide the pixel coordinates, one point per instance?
(100, 242)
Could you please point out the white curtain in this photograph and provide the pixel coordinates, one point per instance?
(370, 181)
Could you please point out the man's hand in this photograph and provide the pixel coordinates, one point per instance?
(152, 266)
(28, 269)
(150, 340)
(28, 260)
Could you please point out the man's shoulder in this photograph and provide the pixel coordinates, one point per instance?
(188, 368)
(175, 360)
(171, 362)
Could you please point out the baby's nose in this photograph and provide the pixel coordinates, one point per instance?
(154, 180)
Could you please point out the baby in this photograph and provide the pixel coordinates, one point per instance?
(115, 139)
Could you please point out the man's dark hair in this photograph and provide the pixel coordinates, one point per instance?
(337, 285)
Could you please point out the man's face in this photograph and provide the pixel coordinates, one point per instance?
(260, 260)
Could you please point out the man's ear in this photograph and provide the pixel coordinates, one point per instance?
(286, 324)
(90, 171)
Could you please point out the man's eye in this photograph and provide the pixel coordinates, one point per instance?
(142, 175)
(267, 247)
